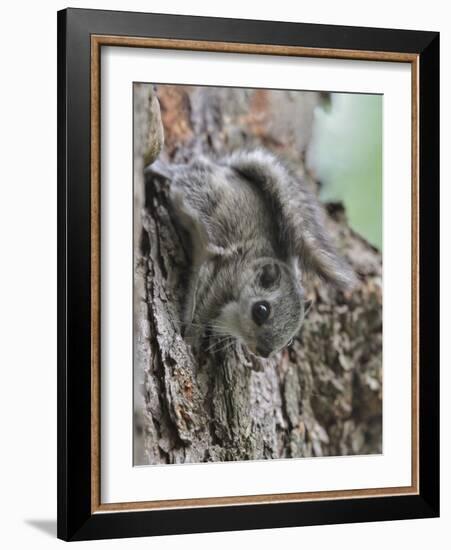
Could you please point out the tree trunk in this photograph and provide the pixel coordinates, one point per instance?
(323, 396)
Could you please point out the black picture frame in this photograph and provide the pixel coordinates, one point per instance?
(76, 520)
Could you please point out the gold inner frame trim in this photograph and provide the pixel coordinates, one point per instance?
(97, 41)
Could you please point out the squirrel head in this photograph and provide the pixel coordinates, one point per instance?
(269, 308)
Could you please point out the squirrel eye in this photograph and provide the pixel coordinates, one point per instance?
(260, 312)
(290, 343)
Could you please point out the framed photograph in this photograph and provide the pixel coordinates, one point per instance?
(248, 274)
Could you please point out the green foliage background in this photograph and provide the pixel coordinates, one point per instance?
(346, 156)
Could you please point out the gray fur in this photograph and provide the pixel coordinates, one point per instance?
(252, 225)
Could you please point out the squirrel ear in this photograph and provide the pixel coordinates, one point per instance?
(269, 275)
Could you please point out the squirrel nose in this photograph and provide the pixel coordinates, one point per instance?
(263, 352)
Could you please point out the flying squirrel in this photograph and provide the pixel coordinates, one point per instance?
(255, 230)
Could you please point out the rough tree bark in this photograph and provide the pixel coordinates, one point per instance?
(321, 397)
